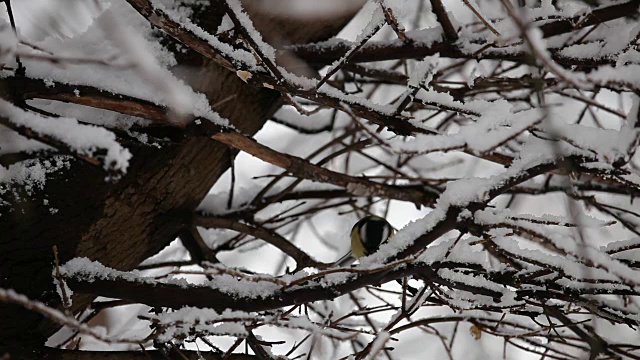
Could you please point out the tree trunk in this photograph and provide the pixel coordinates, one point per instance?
(121, 224)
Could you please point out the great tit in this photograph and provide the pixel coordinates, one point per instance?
(366, 236)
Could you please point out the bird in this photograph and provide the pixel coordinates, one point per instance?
(366, 236)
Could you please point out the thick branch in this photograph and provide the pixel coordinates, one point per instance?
(85, 95)
(302, 259)
(62, 354)
(177, 296)
(450, 32)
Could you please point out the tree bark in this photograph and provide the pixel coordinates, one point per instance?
(122, 223)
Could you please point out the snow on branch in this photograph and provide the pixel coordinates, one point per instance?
(90, 143)
(10, 296)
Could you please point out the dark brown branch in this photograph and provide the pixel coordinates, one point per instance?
(85, 95)
(392, 20)
(9, 159)
(61, 354)
(246, 34)
(195, 244)
(336, 66)
(450, 220)
(304, 169)
(158, 18)
(319, 54)
(61, 146)
(598, 16)
(177, 296)
(450, 33)
(302, 259)
(159, 294)
(176, 30)
(325, 54)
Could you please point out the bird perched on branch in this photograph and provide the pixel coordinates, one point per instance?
(366, 236)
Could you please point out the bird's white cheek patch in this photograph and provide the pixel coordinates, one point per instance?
(385, 233)
(363, 233)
